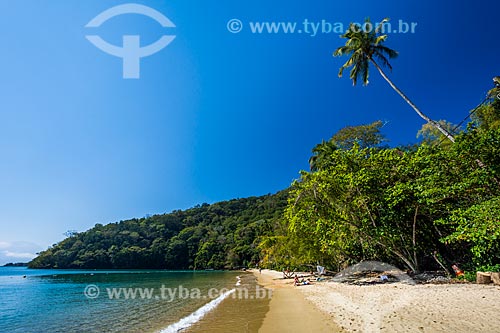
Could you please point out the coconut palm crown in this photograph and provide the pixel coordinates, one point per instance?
(364, 45)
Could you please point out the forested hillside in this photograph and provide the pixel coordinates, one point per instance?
(221, 235)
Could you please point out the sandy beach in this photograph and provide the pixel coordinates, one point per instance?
(395, 307)
(289, 310)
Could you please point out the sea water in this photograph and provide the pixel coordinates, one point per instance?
(104, 301)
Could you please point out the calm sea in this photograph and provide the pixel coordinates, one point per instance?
(127, 301)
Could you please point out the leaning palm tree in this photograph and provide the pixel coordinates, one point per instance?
(363, 47)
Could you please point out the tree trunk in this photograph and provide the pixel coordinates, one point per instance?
(434, 255)
(429, 120)
(414, 238)
(420, 113)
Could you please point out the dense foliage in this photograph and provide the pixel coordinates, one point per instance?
(221, 235)
(422, 207)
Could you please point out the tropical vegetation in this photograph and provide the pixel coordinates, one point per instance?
(217, 236)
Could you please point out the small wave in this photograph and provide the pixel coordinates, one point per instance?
(197, 315)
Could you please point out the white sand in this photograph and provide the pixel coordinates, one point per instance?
(400, 307)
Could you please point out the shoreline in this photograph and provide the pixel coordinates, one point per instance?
(394, 307)
(236, 314)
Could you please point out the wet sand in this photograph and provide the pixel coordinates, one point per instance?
(241, 312)
(289, 310)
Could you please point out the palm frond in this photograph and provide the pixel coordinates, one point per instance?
(365, 73)
(387, 51)
(380, 39)
(342, 51)
(381, 25)
(362, 45)
(382, 58)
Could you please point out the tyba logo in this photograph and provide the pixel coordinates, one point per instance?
(131, 51)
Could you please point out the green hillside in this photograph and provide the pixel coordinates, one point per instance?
(221, 235)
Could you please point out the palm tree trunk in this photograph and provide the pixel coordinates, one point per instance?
(420, 113)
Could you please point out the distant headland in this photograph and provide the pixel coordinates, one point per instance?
(17, 264)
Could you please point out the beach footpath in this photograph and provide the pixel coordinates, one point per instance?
(289, 310)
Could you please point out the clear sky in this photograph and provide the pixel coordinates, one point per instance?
(215, 115)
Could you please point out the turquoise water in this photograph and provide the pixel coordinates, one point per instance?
(55, 300)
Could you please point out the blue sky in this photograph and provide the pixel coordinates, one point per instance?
(215, 115)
